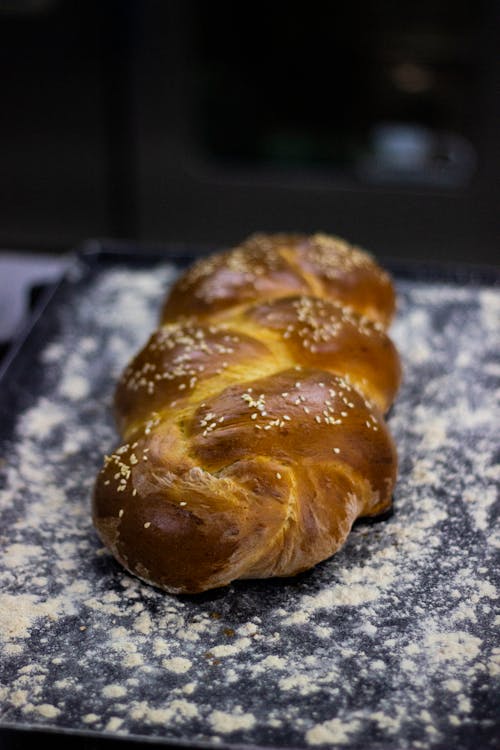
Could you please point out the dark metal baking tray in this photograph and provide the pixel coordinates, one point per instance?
(389, 644)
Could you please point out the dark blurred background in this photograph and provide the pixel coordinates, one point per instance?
(175, 120)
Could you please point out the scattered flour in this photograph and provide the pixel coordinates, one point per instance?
(20, 612)
(177, 664)
(226, 723)
(332, 732)
(390, 640)
(114, 691)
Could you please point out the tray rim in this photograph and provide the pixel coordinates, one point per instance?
(92, 251)
(102, 737)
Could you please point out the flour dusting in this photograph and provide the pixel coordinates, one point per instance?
(391, 644)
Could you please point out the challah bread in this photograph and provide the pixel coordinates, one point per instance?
(268, 266)
(252, 420)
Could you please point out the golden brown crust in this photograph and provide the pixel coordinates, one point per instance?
(254, 434)
(268, 266)
(327, 335)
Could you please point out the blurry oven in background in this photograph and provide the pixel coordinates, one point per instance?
(199, 121)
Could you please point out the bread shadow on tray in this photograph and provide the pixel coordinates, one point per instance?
(263, 589)
(270, 587)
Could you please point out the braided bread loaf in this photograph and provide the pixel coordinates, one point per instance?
(252, 420)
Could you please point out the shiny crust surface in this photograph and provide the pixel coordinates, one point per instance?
(268, 266)
(252, 421)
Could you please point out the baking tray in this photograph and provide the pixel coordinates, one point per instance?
(389, 644)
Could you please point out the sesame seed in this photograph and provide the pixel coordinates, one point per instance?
(147, 524)
(336, 450)
(278, 475)
(120, 513)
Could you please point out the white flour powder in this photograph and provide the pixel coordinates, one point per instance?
(392, 641)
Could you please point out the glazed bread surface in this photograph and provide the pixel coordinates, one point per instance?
(252, 421)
